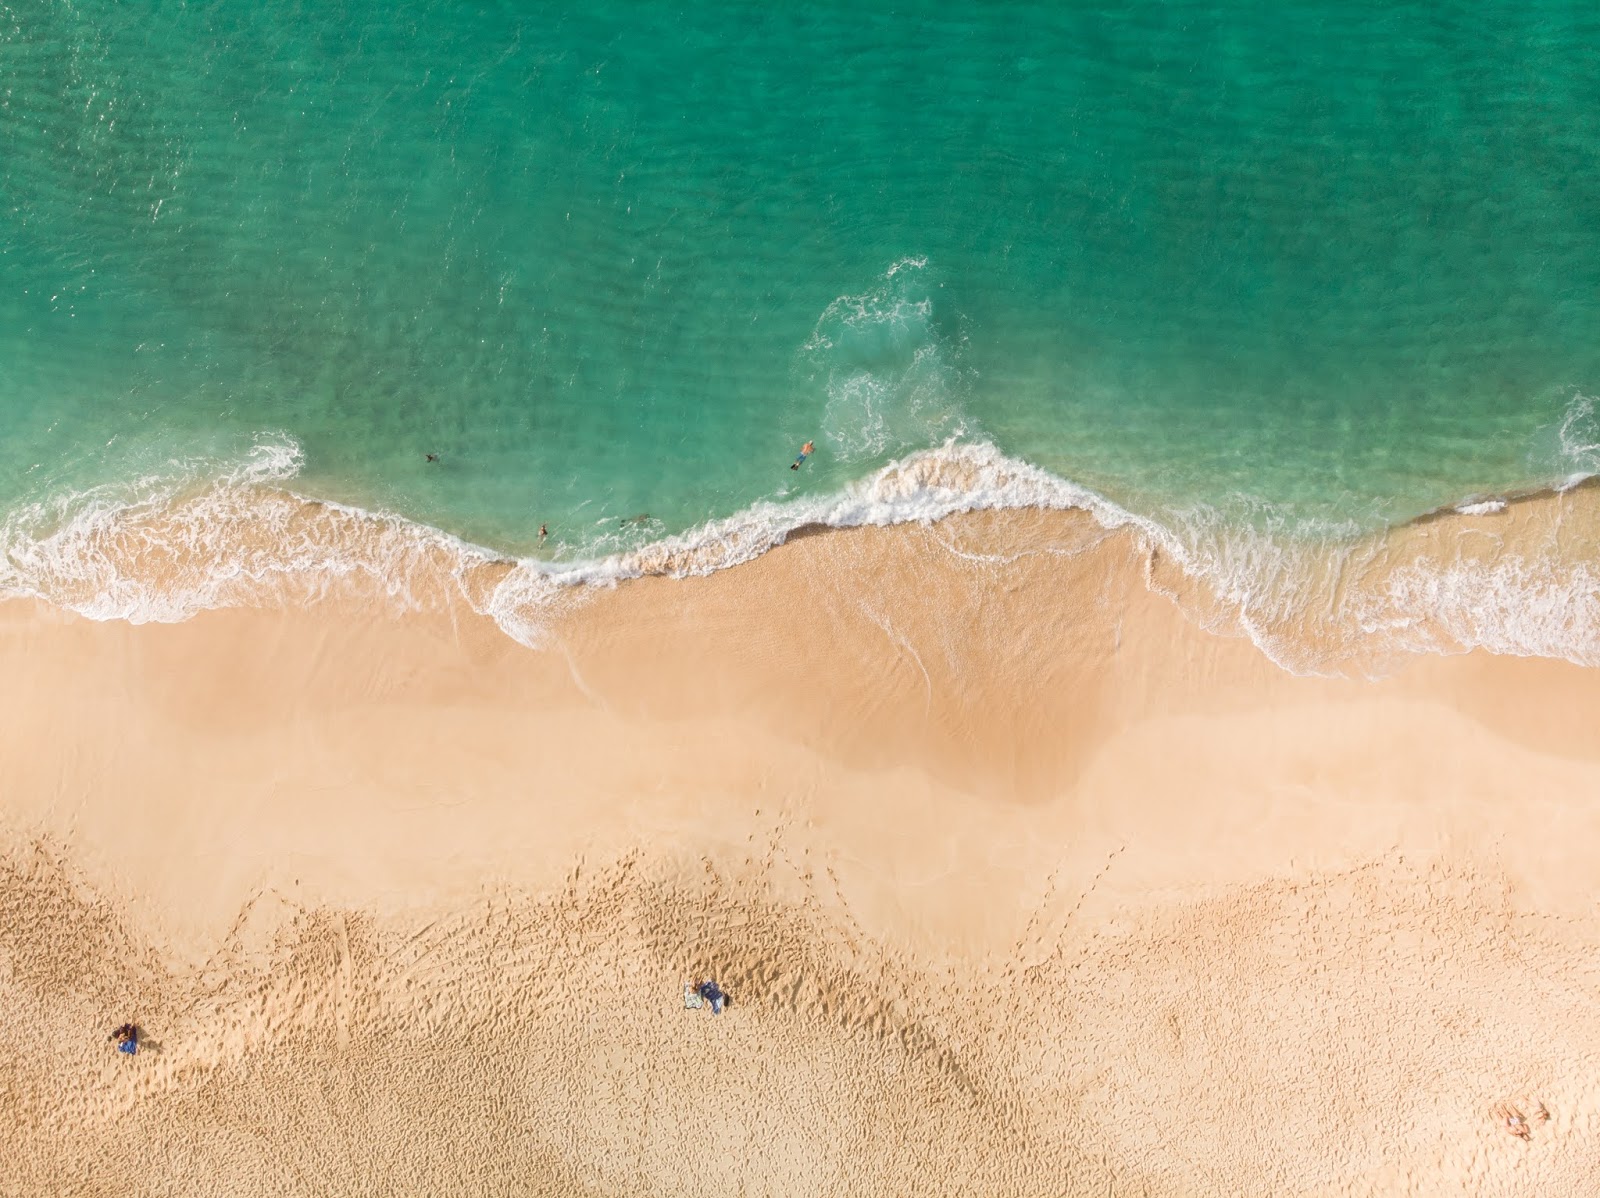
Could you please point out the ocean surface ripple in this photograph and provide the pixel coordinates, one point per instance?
(1270, 285)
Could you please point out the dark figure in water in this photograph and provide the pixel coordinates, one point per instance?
(432, 457)
(127, 1038)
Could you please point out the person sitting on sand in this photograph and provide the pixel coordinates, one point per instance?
(713, 994)
(127, 1038)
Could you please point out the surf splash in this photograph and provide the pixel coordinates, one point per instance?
(1509, 575)
(888, 365)
(206, 534)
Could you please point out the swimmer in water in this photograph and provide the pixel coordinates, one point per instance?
(544, 531)
(806, 450)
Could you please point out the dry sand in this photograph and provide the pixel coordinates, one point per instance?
(1020, 881)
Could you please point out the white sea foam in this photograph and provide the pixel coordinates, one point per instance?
(910, 261)
(168, 546)
(1515, 605)
(206, 534)
(889, 373)
(1578, 437)
(175, 543)
(1482, 507)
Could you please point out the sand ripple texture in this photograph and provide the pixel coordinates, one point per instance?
(1273, 1040)
(1020, 882)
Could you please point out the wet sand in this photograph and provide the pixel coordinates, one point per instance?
(1021, 882)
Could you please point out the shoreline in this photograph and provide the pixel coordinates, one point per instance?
(1001, 847)
(1508, 573)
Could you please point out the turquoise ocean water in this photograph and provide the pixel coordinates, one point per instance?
(1313, 266)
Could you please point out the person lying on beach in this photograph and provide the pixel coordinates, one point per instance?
(127, 1038)
(1516, 1124)
(806, 450)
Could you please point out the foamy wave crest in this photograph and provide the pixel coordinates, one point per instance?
(1578, 437)
(890, 372)
(925, 486)
(173, 544)
(208, 534)
(930, 485)
(1509, 576)
(1514, 605)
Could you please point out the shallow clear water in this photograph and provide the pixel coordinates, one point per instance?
(1314, 263)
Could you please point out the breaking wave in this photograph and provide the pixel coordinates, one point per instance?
(1507, 575)
(888, 364)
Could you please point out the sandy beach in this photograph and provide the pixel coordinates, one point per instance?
(1019, 878)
